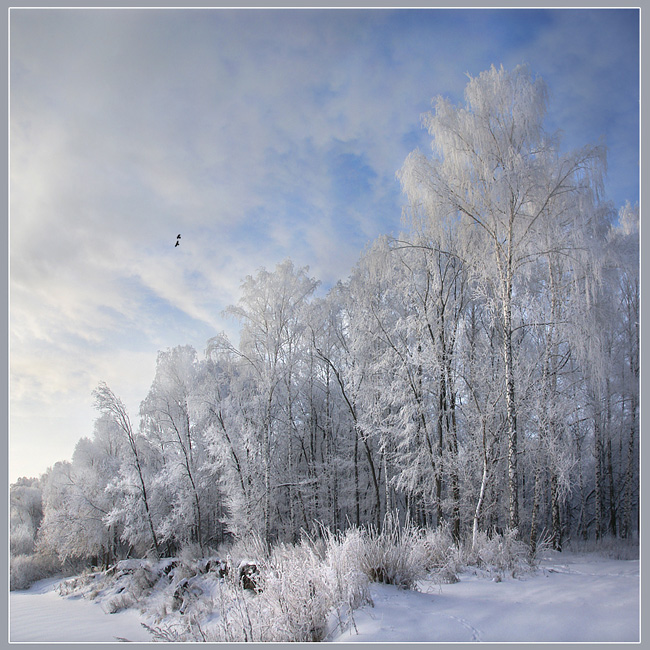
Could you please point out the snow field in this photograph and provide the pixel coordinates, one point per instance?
(572, 597)
(40, 614)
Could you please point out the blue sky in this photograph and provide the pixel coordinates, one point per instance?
(258, 135)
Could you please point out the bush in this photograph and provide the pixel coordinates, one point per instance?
(118, 603)
(291, 603)
(27, 569)
(21, 540)
(343, 556)
(610, 547)
(297, 591)
(250, 548)
(87, 583)
(303, 591)
(306, 591)
(142, 581)
(396, 555)
(501, 554)
(444, 559)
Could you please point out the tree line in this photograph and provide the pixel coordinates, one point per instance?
(479, 371)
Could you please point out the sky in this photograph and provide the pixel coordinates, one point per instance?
(257, 135)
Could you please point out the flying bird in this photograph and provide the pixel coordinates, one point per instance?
(178, 237)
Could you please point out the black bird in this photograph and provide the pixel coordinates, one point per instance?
(177, 241)
(178, 236)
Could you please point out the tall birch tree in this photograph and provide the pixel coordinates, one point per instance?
(495, 168)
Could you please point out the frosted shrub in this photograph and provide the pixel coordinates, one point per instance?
(240, 614)
(252, 547)
(171, 633)
(141, 582)
(27, 569)
(395, 555)
(608, 546)
(74, 585)
(304, 591)
(189, 558)
(118, 602)
(21, 540)
(442, 556)
(296, 587)
(501, 554)
(344, 559)
(293, 602)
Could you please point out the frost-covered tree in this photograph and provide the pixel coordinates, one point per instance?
(351, 459)
(571, 244)
(185, 478)
(271, 311)
(481, 418)
(231, 443)
(433, 261)
(496, 171)
(626, 239)
(78, 503)
(610, 361)
(133, 484)
(334, 467)
(25, 514)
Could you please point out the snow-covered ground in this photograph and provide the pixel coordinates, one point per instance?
(40, 614)
(573, 597)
